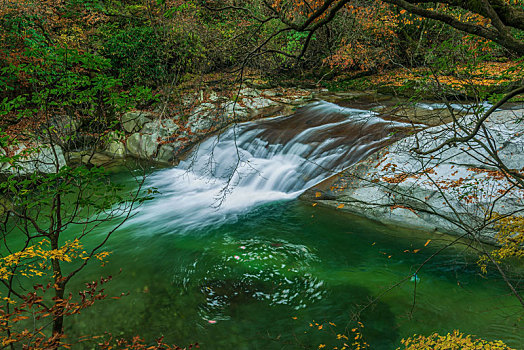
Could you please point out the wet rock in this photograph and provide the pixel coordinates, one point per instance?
(167, 153)
(459, 183)
(97, 159)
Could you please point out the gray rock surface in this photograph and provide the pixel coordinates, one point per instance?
(162, 128)
(258, 102)
(142, 145)
(39, 158)
(116, 149)
(448, 190)
(134, 121)
(203, 119)
(167, 153)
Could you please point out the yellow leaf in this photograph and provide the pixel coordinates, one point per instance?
(315, 204)
(426, 244)
(318, 194)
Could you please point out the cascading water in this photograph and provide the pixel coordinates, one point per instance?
(262, 161)
(221, 269)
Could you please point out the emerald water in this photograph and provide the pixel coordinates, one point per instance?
(227, 256)
(241, 283)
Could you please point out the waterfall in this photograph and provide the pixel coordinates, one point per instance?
(263, 161)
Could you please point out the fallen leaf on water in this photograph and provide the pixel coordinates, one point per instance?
(315, 204)
(318, 194)
(340, 206)
(425, 245)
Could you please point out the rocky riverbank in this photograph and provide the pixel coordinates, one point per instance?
(165, 138)
(160, 136)
(456, 190)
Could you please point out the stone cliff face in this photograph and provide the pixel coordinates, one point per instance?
(456, 190)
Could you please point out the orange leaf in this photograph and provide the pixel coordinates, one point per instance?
(318, 194)
(340, 206)
(426, 244)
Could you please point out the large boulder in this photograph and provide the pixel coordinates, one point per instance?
(116, 149)
(37, 158)
(161, 128)
(454, 190)
(167, 153)
(115, 145)
(142, 145)
(134, 121)
(203, 118)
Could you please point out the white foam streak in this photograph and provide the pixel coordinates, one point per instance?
(228, 174)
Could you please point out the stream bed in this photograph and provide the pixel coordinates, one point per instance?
(226, 256)
(259, 280)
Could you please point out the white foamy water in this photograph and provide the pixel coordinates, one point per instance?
(262, 161)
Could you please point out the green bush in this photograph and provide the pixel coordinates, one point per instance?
(136, 56)
(150, 56)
